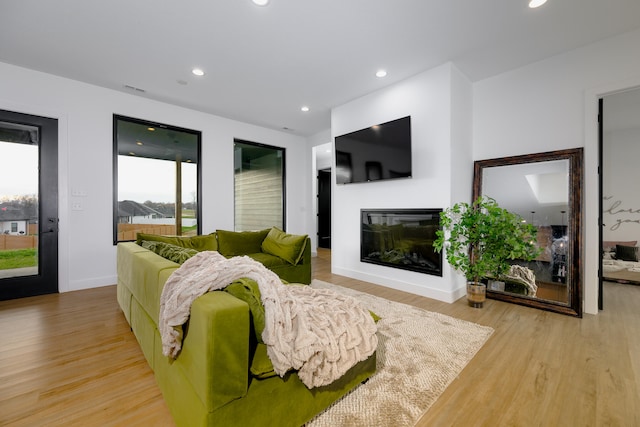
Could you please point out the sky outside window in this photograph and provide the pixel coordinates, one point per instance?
(142, 179)
(18, 169)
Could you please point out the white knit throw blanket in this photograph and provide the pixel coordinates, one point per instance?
(320, 333)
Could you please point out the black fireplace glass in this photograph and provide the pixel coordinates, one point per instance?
(401, 238)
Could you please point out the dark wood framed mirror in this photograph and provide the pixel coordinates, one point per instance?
(545, 189)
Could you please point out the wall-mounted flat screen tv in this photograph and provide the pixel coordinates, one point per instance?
(376, 153)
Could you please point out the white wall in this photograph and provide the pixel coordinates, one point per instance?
(545, 106)
(84, 112)
(439, 103)
(551, 105)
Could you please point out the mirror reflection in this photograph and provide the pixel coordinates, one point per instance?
(545, 190)
(539, 193)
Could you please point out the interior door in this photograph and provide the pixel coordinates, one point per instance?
(619, 134)
(324, 209)
(28, 205)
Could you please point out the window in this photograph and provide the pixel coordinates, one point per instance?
(259, 186)
(14, 227)
(156, 179)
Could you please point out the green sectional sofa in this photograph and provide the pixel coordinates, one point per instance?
(222, 376)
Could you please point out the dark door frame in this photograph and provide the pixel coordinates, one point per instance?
(324, 208)
(600, 204)
(46, 281)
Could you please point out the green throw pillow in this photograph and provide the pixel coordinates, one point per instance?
(167, 250)
(236, 243)
(199, 243)
(289, 247)
(247, 290)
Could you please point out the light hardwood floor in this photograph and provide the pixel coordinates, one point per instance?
(70, 359)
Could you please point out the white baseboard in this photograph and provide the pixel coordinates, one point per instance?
(412, 288)
(94, 282)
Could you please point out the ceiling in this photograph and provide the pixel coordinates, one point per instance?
(263, 64)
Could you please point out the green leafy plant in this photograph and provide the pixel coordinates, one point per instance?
(481, 238)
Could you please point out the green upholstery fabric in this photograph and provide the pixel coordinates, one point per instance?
(289, 247)
(210, 382)
(171, 252)
(236, 243)
(268, 260)
(215, 349)
(149, 274)
(261, 366)
(268, 403)
(248, 291)
(300, 272)
(200, 243)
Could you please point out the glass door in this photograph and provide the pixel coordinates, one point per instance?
(28, 205)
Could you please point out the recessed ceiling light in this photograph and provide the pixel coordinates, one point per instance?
(536, 3)
(138, 142)
(381, 73)
(198, 72)
(151, 129)
(304, 108)
(260, 2)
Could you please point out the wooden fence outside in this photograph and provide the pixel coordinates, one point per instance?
(125, 232)
(9, 242)
(129, 231)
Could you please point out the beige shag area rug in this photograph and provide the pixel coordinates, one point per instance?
(419, 354)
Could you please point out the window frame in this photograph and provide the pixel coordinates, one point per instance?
(284, 177)
(115, 153)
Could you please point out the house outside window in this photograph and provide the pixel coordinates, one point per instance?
(14, 227)
(259, 186)
(156, 179)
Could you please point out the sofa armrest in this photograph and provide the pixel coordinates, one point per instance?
(215, 349)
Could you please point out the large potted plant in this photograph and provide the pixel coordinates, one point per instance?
(480, 240)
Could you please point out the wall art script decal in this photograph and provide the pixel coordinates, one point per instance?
(616, 209)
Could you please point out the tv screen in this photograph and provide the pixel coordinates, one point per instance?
(376, 153)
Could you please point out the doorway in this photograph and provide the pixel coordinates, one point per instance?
(28, 205)
(620, 203)
(324, 208)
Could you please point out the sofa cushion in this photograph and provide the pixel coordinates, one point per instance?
(236, 243)
(289, 247)
(171, 252)
(200, 243)
(268, 260)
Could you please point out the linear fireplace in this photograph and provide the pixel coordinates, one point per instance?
(401, 238)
